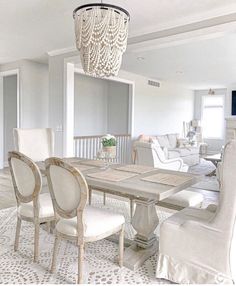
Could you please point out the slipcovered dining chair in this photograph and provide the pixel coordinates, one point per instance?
(37, 144)
(31, 205)
(198, 246)
(77, 221)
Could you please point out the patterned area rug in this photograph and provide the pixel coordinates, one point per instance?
(100, 257)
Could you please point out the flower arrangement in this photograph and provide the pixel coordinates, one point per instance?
(108, 140)
(109, 145)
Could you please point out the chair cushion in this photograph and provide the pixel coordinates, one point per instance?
(163, 141)
(97, 222)
(185, 199)
(191, 213)
(173, 140)
(45, 207)
(183, 151)
(173, 153)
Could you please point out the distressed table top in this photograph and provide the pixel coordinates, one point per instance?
(135, 185)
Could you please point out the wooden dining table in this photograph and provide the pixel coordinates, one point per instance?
(147, 185)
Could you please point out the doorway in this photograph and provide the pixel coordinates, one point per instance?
(69, 106)
(9, 112)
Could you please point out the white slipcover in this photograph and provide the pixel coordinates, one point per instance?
(94, 219)
(37, 144)
(199, 246)
(151, 154)
(185, 199)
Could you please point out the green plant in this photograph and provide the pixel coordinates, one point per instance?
(108, 140)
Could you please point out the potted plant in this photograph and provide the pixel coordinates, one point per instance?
(109, 145)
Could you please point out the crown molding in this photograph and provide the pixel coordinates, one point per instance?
(61, 51)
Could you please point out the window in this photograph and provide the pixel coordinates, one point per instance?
(213, 117)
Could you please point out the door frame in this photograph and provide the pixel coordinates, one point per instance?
(68, 118)
(2, 75)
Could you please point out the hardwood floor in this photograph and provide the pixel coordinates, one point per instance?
(7, 196)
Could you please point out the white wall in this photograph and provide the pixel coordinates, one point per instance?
(214, 145)
(33, 92)
(160, 110)
(101, 106)
(90, 106)
(10, 112)
(156, 110)
(118, 108)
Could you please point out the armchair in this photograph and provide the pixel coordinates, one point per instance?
(198, 246)
(151, 154)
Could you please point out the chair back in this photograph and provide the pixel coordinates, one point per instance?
(149, 154)
(68, 188)
(226, 212)
(225, 217)
(37, 144)
(26, 177)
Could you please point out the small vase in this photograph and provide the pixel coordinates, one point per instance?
(110, 151)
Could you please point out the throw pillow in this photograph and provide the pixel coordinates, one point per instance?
(173, 140)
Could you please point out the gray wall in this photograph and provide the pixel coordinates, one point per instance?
(118, 108)
(101, 106)
(9, 111)
(34, 92)
(90, 106)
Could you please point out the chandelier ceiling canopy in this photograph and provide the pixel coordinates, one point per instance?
(101, 32)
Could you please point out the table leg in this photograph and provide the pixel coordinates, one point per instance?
(145, 244)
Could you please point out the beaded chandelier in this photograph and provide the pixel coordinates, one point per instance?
(101, 32)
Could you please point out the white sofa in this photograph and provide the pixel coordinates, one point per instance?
(175, 147)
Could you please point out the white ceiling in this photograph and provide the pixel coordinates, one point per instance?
(31, 28)
(199, 64)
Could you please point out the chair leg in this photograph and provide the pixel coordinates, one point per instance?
(54, 256)
(80, 264)
(48, 224)
(17, 237)
(121, 246)
(36, 242)
(90, 196)
(131, 209)
(104, 199)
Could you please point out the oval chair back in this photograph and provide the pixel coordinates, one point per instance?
(68, 188)
(26, 177)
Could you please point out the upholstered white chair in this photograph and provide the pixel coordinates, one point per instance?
(31, 205)
(198, 246)
(37, 144)
(151, 154)
(77, 221)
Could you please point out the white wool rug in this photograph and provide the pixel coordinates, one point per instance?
(100, 257)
